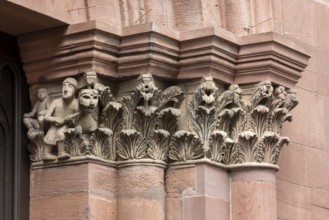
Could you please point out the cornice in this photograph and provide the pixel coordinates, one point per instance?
(114, 52)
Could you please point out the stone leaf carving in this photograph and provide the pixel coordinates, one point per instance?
(228, 108)
(147, 110)
(100, 143)
(168, 102)
(246, 149)
(73, 141)
(159, 145)
(202, 119)
(185, 146)
(146, 120)
(219, 147)
(253, 117)
(170, 97)
(36, 146)
(129, 104)
(131, 145)
(239, 125)
(113, 119)
(168, 119)
(95, 143)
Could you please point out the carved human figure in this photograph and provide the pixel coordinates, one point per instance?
(59, 115)
(87, 117)
(34, 120)
(280, 92)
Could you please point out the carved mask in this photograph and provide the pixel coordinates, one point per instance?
(88, 100)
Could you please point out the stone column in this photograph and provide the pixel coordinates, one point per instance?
(141, 192)
(253, 194)
(255, 115)
(142, 149)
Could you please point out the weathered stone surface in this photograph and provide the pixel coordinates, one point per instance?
(253, 195)
(293, 201)
(141, 193)
(74, 192)
(166, 44)
(200, 191)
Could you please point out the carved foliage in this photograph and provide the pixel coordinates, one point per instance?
(185, 146)
(159, 145)
(74, 141)
(36, 146)
(202, 110)
(131, 145)
(219, 148)
(254, 121)
(113, 119)
(239, 125)
(95, 143)
(100, 143)
(151, 117)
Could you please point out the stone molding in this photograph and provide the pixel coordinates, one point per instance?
(233, 128)
(148, 48)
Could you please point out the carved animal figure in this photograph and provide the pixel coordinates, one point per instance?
(87, 117)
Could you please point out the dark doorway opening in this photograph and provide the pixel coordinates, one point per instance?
(14, 163)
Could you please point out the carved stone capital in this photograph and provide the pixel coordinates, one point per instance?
(253, 116)
(230, 127)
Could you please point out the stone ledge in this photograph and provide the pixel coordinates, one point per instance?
(113, 52)
(232, 167)
(72, 161)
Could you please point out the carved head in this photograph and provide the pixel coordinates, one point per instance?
(69, 87)
(42, 93)
(88, 100)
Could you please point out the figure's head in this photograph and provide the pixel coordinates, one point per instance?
(69, 87)
(88, 100)
(42, 93)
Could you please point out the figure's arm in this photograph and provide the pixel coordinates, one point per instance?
(70, 120)
(49, 113)
(33, 113)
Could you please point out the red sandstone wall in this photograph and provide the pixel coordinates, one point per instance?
(303, 179)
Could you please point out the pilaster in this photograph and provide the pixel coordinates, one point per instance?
(81, 189)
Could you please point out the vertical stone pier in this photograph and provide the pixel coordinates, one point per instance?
(85, 190)
(141, 192)
(253, 194)
(197, 191)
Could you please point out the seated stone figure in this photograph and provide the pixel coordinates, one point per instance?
(34, 120)
(59, 115)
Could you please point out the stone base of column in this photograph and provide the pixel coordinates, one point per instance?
(198, 191)
(84, 190)
(141, 192)
(253, 194)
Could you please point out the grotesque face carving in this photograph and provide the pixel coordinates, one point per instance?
(88, 100)
(42, 93)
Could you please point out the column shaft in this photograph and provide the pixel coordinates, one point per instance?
(141, 193)
(253, 195)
